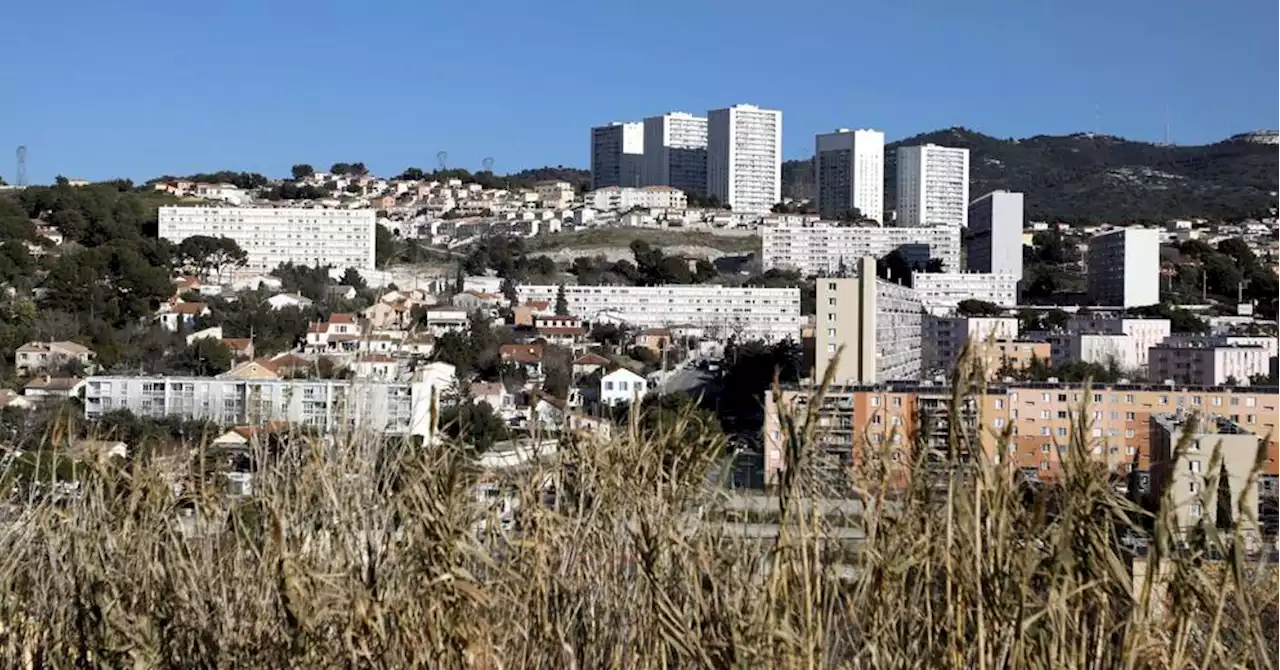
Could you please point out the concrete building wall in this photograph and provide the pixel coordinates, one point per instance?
(1124, 268)
(849, 173)
(823, 248)
(617, 154)
(675, 152)
(874, 327)
(271, 236)
(744, 157)
(994, 240)
(933, 186)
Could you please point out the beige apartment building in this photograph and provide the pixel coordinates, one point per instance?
(867, 330)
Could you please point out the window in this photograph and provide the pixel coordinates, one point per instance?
(1097, 397)
(608, 386)
(1217, 401)
(1045, 448)
(1132, 451)
(1044, 397)
(1164, 400)
(1235, 401)
(1196, 400)
(1250, 418)
(831, 286)
(1250, 401)
(1194, 466)
(1129, 433)
(831, 348)
(876, 420)
(999, 403)
(1062, 397)
(1191, 487)
(1044, 430)
(831, 316)
(1062, 431)
(1013, 413)
(999, 423)
(831, 332)
(1130, 416)
(1045, 414)
(875, 401)
(1194, 446)
(831, 301)
(1062, 414)
(897, 402)
(1128, 397)
(1195, 510)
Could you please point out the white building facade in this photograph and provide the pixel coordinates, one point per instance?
(675, 152)
(1124, 268)
(933, 186)
(622, 198)
(744, 157)
(621, 387)
(1144, 333)
(1207, 365)
(946, 336)
(617, 154)
(331, 405)
(270, 236)
(848, 170)
(769, 314)
(994, 239)
(942, 292)
(823, 247)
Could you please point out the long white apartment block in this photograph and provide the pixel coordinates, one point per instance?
(617, 154)
(1124, 268)
(867, 330)
(825, 247)
(675, 152)
(622, 198)
(848, 169)
(331, 405)
(748, 313)
(744, 157)
(933, 186)
(942, 292)
(1207, 365)
(994, 239)
(270, 236)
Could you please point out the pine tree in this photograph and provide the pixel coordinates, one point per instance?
(562, 302)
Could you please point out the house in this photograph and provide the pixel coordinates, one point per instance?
(494, 393)
(289, 300)
(256, 283)
(473, 301)
(251, 370)
(654, 339)
(622, 386)
(54, 387)
(441, 319)
(342, 291)
(376, 366)
(523, 315)
(553, 415)
(33, 357)
(9, 398)
(378, 343)
(418, 344)
(241, 347)
(214, 333)
(564, 331)
(339, 334)
(177, 315)
(527, 356)
(288, 365)
(587, 364)
(384, 314)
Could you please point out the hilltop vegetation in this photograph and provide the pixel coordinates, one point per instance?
(1099, 178)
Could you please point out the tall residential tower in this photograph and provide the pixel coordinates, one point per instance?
(848, 168)
(675, 152)
(933, 186)
(995, 234)
(744, 157)
(617, 151)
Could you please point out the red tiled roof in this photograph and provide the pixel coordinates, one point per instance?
(342, 318)
(237, 343)
(191, 308)
(561, 330)
(538, 304)
(591, 359)
(522, 353)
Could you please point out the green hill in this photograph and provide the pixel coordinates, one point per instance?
(1086, 177)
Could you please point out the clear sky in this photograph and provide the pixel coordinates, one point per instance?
(137, 88)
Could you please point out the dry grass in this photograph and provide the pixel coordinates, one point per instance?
(374, 555)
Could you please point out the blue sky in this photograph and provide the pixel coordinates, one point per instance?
(136, 88)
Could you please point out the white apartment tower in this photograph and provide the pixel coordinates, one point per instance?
(1124, 268)
(270, 236)
(617, 152)
(933, 186)
(994, 241)
(675, 152)
(848, 168)
(744, 157)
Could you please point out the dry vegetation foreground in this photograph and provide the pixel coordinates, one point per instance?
(382, 556)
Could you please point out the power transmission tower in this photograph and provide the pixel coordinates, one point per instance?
(442, 159)
(21, 175)
(487, 165)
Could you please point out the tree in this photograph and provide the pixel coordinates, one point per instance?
(351, 277)
(1057, 319)
(340, 169)
(412, 174)
(203, 358)
(302, 171)
(475, 424)
(384, 245)
(972, 307)
(1223, 516)
(562, 302)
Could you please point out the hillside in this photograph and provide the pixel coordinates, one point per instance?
(1084, 177)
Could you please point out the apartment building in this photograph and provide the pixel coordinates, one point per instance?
(617, 154)
(945, 337)
(405, 409)
(1268, 342)
(867, 330)
(1131, 352)
(933, 186)
(554, 194)
(848, 169)
(675, 152)
(1207, 365)
(1040, 417)
(744, 157)
(942, 292)
(271, 236)
(993, 242)
(623, 198)
(748, 313)
(1124, 267)
(34, 357)
(825, 248)
(1186, 476)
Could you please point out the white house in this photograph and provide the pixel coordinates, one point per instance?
(622, 386)
(176, 316)
(287, 300)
